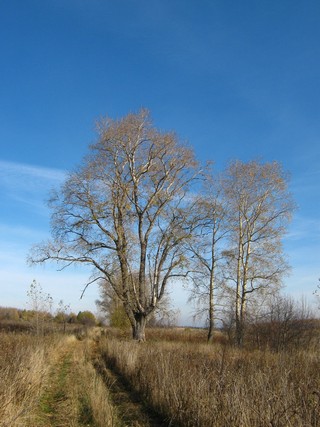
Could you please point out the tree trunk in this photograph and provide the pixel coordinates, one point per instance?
(138, 329)
(210, 331)
(241, 323)
(211, 292)
(239, 333)
(211, 310)
(239, 320)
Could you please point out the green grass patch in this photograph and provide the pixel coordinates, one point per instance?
(56, 390)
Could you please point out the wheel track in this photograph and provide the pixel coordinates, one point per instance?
(131, 409)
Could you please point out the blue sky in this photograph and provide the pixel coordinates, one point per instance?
(237, 80)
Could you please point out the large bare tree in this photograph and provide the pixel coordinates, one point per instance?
(122, 212)
(259, 208)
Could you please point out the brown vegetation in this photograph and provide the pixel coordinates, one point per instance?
(204, 385)
(50, 381)
(24, 365)
(75, 395)
(174, 379)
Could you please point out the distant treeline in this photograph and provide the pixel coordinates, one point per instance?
(23, 315)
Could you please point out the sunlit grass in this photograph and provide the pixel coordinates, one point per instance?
(204, 385)
(50, 381)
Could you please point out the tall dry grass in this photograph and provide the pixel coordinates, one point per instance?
(24, 370)
(202, 385)
(85, 398)
(50, 380)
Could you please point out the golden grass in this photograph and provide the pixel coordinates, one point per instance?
(203, 385)
(23, 372)
(50, 381)
(88, 390)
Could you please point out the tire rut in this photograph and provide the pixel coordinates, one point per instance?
(131, 409)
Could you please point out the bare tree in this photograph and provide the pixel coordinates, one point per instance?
(122, 212)
(259, 208)
(62, 314)
(209, 231)
(41, 304)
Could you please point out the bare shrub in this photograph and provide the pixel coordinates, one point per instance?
(285, 324)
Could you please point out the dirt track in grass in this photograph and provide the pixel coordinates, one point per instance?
(66, 400)
(131, 409)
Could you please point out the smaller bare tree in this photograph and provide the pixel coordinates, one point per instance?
(259, 210)
(41, 304)
(205, 248)
(62, 314)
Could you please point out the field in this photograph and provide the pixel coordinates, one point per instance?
(102, 378)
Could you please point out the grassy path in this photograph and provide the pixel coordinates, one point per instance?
(61, 404)
(83, 392)
(133, 412)
(55, 398)
(75, 396)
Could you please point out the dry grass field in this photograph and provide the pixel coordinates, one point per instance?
(50, 381)
(24, 369)
(194, 384)
(174, 379)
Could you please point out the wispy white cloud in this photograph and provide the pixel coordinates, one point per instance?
(20, 235)
(304, 228)
(28, 185)
(14, 175)
(16, 277)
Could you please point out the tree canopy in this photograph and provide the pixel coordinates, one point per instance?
(134, 212)
(123, 212)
